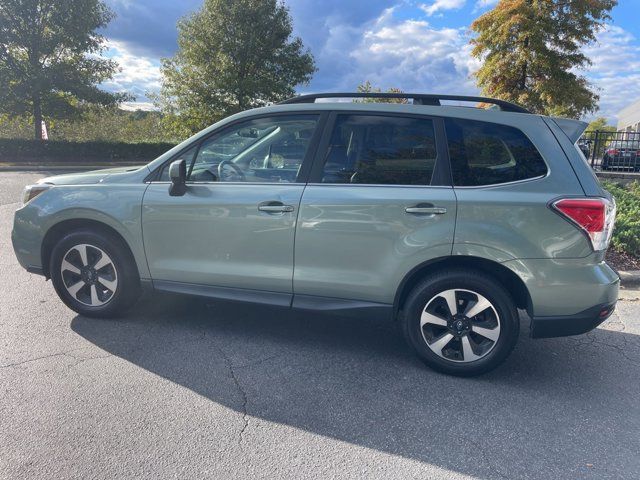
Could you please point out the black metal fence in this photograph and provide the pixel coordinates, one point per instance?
(612, 151)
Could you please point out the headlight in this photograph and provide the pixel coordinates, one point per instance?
(32, 191)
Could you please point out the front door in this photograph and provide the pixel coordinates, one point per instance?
(378, 203)
(234, 227)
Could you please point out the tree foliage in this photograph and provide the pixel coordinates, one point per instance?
(532, 48)
(626, 234)
(367, 87)
(232, 55)
(108, 124)
(48, 61)
(600, 124)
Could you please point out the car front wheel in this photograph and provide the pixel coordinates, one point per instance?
(460, 322)
(94, 274)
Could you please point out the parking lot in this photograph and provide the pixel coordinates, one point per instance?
(184, 388)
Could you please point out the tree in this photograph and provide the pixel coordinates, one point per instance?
(367, 87)
(232, 55)
(48, 57)
(94, 123)
(600, 124)
(532, 48)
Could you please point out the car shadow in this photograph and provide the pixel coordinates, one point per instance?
(557, 408)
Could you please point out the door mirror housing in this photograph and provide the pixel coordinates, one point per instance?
(178, 176)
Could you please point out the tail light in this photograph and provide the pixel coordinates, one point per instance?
(595, 216)
(613, 151)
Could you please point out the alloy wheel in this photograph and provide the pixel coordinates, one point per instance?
(89, 275)
(460, 325)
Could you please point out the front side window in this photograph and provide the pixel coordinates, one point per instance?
(485, 153)
(372, 149)
(186, 155)
(260, 150)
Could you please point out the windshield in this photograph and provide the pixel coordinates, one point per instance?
(625, 144)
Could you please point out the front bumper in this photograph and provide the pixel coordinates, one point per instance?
(562, 326)
(26, 238)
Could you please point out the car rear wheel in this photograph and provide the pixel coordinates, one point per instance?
(460, 322)
(94, 274)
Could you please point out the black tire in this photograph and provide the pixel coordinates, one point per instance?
(122, 268)
(483, 284)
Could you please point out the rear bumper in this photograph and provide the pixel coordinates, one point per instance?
(631, 162)
(568, 296)
(566, 287)
(562, 326)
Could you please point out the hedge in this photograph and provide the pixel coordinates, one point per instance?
(18, 150)
(626, 234)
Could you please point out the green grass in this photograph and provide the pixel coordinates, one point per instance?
(626, 235)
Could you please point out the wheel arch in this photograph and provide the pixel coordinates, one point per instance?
(64, 227)
(509, 279)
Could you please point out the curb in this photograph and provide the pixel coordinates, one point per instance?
(629, 277)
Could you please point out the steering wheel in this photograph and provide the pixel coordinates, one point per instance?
(228, 163)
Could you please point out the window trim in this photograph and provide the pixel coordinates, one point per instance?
(305, 166)
(441, 173)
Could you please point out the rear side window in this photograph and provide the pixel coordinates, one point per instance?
(376, 149)
(484, 153)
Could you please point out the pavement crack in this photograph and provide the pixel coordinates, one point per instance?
(35, 359)
(489, 461)
(77, 359)
(259, 362)
(86, 359)
(243, 394)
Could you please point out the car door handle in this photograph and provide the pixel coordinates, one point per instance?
(426, 210)
(275, 207)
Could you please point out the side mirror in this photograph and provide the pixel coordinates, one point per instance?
(178, 176)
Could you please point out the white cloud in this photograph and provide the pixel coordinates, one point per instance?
(137, 76)
(482, 4)
(133, 106)
(441, 5)
(414, 56)
(615, 71)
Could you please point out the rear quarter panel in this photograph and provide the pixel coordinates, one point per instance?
(511, 221)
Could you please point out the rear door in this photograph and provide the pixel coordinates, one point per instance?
(379, 203)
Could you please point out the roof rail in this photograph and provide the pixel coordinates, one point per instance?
(418, 99)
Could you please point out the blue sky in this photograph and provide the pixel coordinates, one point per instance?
(417, 46)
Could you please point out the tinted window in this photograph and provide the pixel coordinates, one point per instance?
(260, 150)
(487, 153)
(624, 144)
(371, 149)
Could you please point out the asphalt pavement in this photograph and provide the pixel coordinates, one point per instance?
(184, 388)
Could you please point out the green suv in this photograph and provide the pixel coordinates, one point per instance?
(445, 218)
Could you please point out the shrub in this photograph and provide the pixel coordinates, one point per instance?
(626, 235)
(20, 150)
